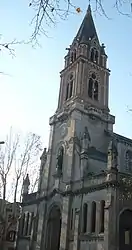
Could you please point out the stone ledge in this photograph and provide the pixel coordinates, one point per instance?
(91, 237)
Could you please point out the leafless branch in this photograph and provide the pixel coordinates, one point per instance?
(9, 46)
(48, 12)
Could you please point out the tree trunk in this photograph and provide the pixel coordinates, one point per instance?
(15, 194)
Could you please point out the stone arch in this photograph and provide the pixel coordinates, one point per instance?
(63, 144)
(53, 231)
(125, 230)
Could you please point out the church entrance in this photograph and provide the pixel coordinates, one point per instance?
(125, 230)
(53, 229)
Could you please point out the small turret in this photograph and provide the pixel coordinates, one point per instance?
(26, 184)
(43, 157)
(103, 56)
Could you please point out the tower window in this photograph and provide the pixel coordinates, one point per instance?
(59, 164)
(96, 90)
(85, 211)
(92, 55)
(67, 91)
(128, 161)
(93, 217)
(93, 87)
(69, 88)
(90, 88)
(96, 56)
(73, 56)
(101, 61)
(102, 206)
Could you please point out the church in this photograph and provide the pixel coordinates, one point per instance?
(84, 200)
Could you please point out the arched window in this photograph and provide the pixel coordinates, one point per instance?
(31, 222)
(53, 232)
(85, 213)
(71, 221)
(93, 217)
(96, 90)
(69, 88)
(102, 207)
(67, 91)
(90, 88)
(93, 87)
(22, 224)
(27, 224)
(11, 235)
(101, 61)
(125, 230)
(92, 55)
(128, 161)
(96, 56)
(72, 57)
(75, 56)
(59, 164)
(71, 85)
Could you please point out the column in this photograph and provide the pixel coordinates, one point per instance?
(110, 221)
(79, 77)
(65, 223)
(40, 226)
(98, 218)
(25, 223)
(75, 243)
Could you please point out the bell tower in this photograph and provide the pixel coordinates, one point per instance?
(85, 77)
(82, 106)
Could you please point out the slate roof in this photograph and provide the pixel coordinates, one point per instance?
(87, 29)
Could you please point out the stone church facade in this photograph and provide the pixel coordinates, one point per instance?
(84, 198)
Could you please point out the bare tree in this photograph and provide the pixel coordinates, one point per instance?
(6, 160)
(49, 12)
(17, 158)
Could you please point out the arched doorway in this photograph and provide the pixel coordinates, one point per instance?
(125, 230)
(53, 229)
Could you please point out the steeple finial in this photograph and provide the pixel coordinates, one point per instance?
(89, 7)
(26, 184)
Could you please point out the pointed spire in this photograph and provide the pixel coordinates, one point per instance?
(26, 181)
(26, 184)
(87, 29)
(89, 8)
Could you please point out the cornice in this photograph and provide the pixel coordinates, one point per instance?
(84, 59)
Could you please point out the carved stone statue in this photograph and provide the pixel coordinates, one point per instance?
(85, 139)
(59, 158)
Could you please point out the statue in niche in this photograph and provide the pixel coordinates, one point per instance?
(85, 139)
(59, 158)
